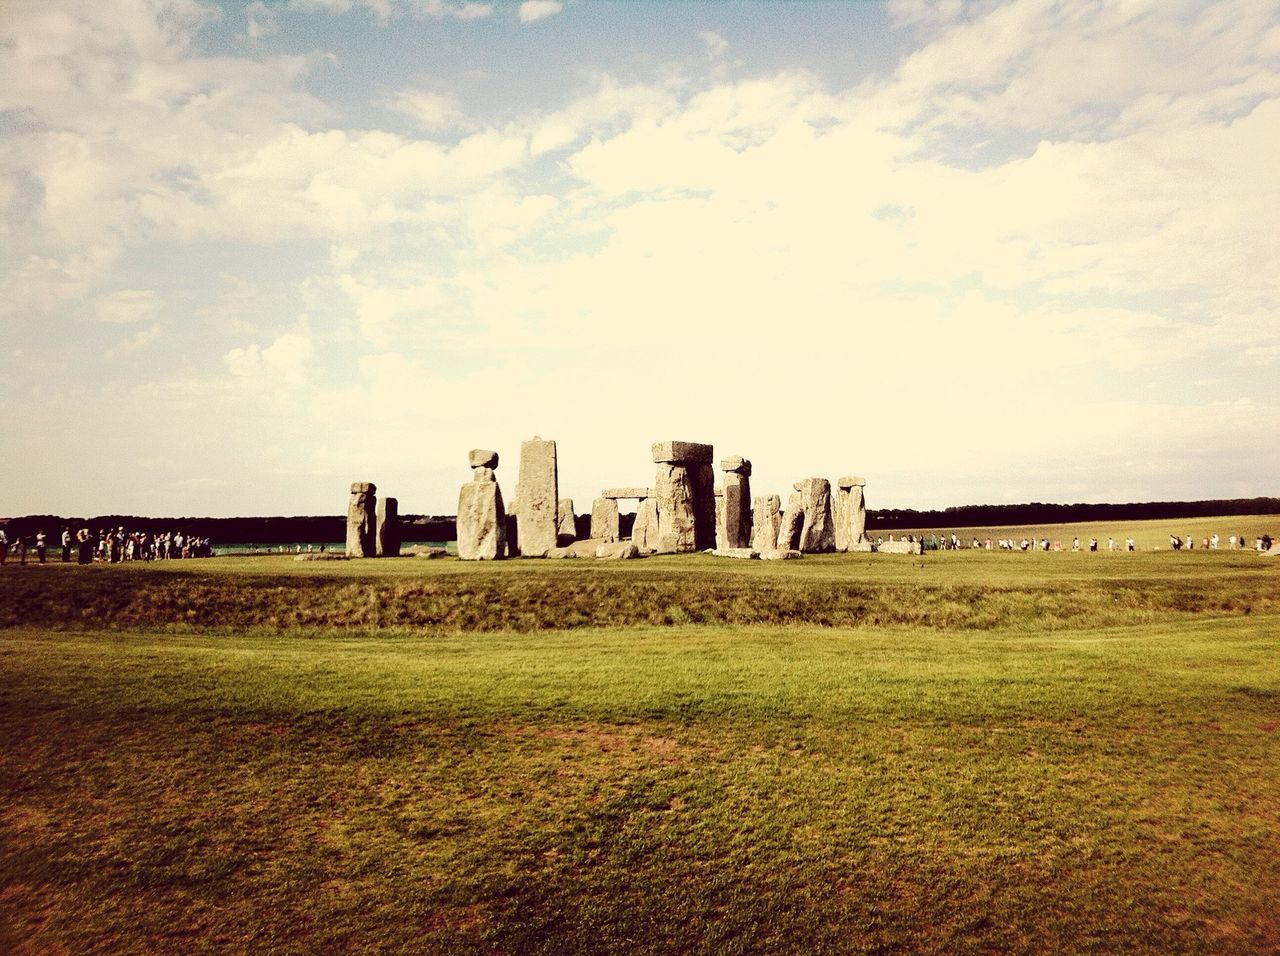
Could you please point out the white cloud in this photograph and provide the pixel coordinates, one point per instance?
(457, 11)
(715, 44)
(129, 305)
(429, 109)
(281, 366)
(534, 10)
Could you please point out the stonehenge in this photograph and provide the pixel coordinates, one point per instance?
(817, 534)
(766, 521)
(684, 487)
(792, 522)
(537, 498)
(362, 521)
(850, 511)
(644, 533)
(605, 520)
(737, 502)
(482, 521)
(388, 533)
(566, 528)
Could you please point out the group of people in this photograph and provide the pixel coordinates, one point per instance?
(109, 546)
(952, 542)
(1212, 543)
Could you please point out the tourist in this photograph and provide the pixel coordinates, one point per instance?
(22, 548)
(42, 546)
(1075, 544)
(1128, 544)
(66, 545)
(1093, 544)
(84, 546)
(4, 547)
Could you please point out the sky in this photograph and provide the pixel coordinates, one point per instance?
(975, 252)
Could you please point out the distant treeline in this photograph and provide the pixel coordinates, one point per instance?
(1036, 513)
(318, 529)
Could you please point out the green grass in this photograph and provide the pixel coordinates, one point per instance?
(1026, 753)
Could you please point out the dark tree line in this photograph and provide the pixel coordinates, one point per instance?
(318, 529)
(981, 516)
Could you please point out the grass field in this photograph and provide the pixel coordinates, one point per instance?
(969, 752)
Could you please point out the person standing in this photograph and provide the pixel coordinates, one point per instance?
(42, 546)
(66, 545)
(4, 547)
(84, 546)
(22, 549)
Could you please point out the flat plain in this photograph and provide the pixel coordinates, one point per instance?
(964, 752)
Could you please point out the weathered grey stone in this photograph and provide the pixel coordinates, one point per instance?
(720, 539)
(864, 545)
(792, 524)
(566, 525)
(422, 551)
(644, 533)
(849, 481)
(482, 458)
(745, 554)
(617, 551)
(619, 493)
(737, 464)
(839, 517)
(856, 515)
(388, 534)
(539, 496)
(900, 547)
(362, 521)
(483, 473)
(737, 507)
(818, 534)
(682, 452)
(704, 506)
(605, 519)
(321, 556)
(561, 553)
(673, 492)
(781, 554)
(482, 522)
(766, 521)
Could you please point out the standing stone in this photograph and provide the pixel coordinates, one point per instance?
(538, 495)
(684, 487)
(567, 529)
(644, 533)
(482, 520)
(767, 521)
(720, 538)
(818, 533)
(362, 522)
(855, 510)
(840, 516)
(737, 503)
(388, 528)
(792, 523)
(605, 519)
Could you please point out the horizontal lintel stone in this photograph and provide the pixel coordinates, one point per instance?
(683, 453)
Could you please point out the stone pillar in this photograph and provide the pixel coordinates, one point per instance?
(644, 533)
(362, 522)
(818, 534)
(737, 502)
(388, 528)
(538, 494)
(850, 513)
(566, 527)
(720, 538)
(684, 487)
(482, 520)
(604, 519)
(766, 521)
(792, 522)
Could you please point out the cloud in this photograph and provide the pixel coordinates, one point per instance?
(534, 10)
(431, 110)
(715, 44)
(128, 305)
(281, 366)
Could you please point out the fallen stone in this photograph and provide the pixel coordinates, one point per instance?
(781, 554)
(362, 521)
(900, 547)
(539, 497)
(746, 554)
(617, 551)
(561, 553)
(424, 552)
(482, 458)
(321, 556)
